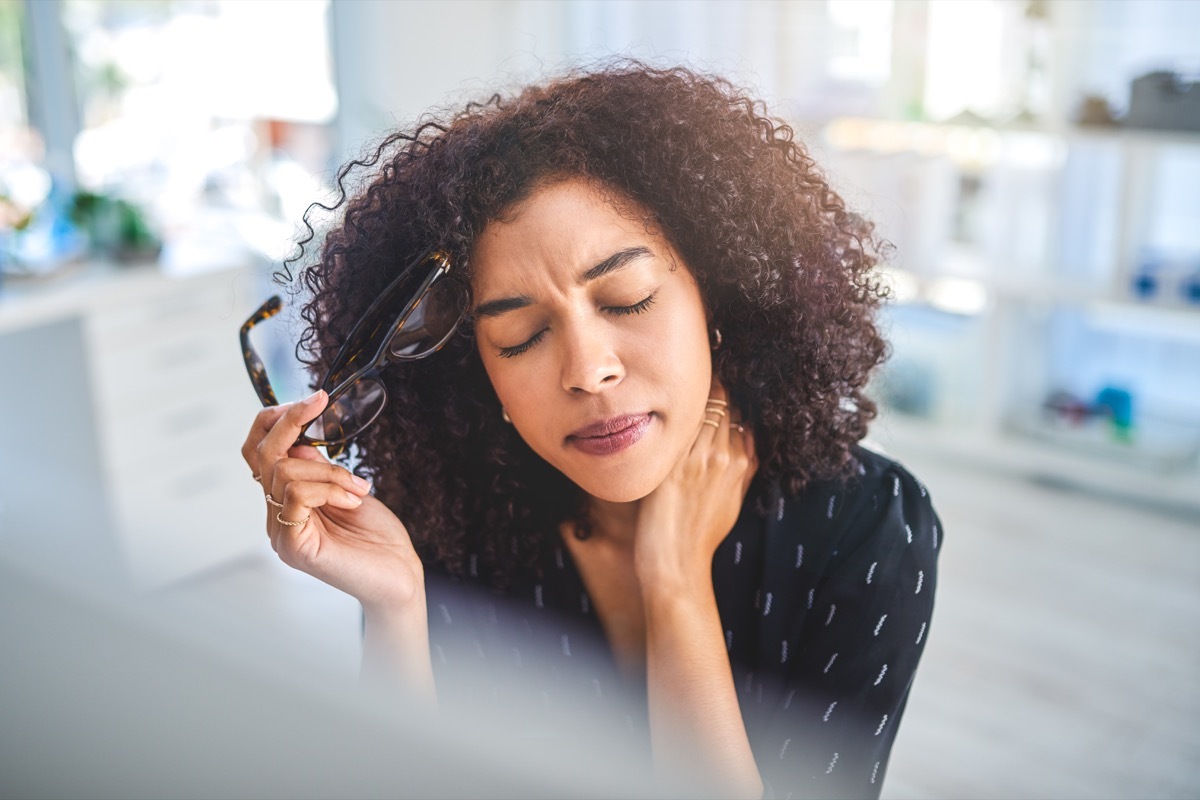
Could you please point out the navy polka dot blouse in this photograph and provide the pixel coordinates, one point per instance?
(826, 605)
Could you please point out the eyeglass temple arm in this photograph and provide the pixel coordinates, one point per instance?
(254, 365)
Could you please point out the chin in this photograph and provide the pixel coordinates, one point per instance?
(626, 489)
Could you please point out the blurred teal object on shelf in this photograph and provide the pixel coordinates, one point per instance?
(1118, 403)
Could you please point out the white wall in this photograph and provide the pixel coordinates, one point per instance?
(394, 60)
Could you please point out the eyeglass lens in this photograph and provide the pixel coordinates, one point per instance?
(427, 327)
(353, 410)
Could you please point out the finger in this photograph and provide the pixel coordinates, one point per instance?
(286, 430)
(303, 497)
(716, 416)
(293, 523)
(264, 420)
(742, 441)
(292, 470)
(308, 453)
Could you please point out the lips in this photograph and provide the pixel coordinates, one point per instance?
(610, 435)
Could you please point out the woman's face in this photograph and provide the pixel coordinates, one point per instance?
(594, 336)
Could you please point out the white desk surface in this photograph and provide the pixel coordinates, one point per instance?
(30, 302)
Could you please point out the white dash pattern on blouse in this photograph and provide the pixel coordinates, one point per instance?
(829, 711)
(874, 772)
(779, 511)
(810, 597)
(832, 659)
(832, 611)
(783, 651)
(895, 487)
(921, 635)
(767, 605)
(882, 722)
(831, 764)
(737, 552)
(829, 511)
(882, 672)
(783, 749)
(787, 703)
(935, 536)
(799, 555)
(920, 580)
(908, 533)
(871, 571)
(880, 624)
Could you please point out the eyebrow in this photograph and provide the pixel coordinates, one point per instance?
(618, 260)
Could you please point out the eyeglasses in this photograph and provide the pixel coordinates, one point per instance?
(431, 308)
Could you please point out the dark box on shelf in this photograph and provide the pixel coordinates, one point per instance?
(1165, 101)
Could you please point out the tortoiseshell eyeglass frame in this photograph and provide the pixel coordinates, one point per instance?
(370, 367)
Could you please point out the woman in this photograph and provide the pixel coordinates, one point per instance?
(646, 422)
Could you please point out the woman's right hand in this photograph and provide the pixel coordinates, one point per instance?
(350, 540)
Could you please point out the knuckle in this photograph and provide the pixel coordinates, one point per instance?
(294, 493)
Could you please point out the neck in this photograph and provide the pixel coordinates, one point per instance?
(613, 523)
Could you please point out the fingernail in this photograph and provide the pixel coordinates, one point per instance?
(361, 483)
(355, 499)
(312, 398)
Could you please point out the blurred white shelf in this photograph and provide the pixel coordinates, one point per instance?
(1172, 489)
(893, 135)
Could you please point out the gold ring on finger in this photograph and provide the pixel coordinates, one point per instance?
(257, 478)
(282, 521)
(712, 422)
(714, 401)
(274, 502)
(716, 411)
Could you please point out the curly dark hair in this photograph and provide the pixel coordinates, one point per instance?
(784, 268)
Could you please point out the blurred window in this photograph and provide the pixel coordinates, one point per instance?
(13, 117)
(22, 185)
(862, 36)
(200, 104)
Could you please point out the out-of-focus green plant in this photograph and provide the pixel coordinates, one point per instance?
(115, 228)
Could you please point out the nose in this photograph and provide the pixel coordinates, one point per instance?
(589, 361)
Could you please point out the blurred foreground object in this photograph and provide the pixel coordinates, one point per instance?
(105, 695)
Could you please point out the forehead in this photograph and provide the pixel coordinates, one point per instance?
(565, 226)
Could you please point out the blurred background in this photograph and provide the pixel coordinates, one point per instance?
(1035, 164)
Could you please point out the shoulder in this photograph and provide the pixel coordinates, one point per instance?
(881, 508)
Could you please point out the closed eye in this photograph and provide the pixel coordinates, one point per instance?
(639, 307)
(510, 352)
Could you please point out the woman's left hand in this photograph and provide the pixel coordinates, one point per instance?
(681, 523)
